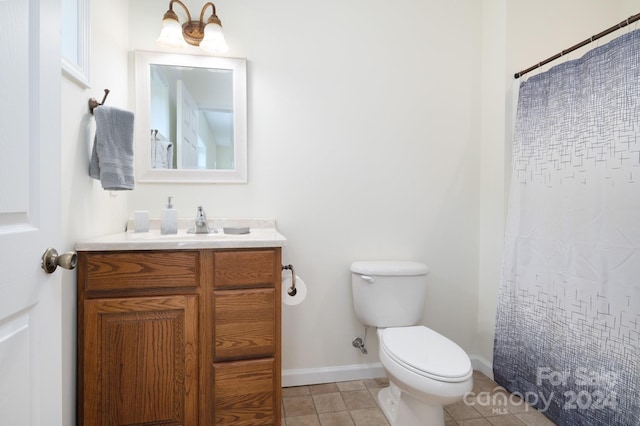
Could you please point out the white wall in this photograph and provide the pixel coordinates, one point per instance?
(493, 170)
(363, 144)
(380, 132)
(376, 130)
(88, 210)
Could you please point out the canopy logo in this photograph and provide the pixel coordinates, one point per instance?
(596, 394)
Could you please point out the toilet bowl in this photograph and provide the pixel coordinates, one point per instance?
(425, 369)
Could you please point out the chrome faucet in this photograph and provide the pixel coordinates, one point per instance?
(202, 225)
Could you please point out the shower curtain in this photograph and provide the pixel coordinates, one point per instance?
(568, 319)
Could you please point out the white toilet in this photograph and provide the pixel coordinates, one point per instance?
(425, 369)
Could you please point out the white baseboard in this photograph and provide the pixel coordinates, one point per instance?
(482, 365)
(314, 376)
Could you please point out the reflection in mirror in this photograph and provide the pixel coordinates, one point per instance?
(191, 118)
(201, 124)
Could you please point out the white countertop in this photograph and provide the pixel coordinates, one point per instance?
(262, 233)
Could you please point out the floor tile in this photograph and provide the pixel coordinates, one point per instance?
(323, 388)
(298, 406)
(354, 400)
(355, 403)
(506, 420)
(310, 420)
(461, 411)
(329, 402)
(369, 417)
(517, 405)
(534, 418)
(340, 418)
(374, 393)
(474, 422)
(295, 391)
(351, 386)
(376, 383)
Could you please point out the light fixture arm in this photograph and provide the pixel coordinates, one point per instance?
(171, 14)
(213, 18)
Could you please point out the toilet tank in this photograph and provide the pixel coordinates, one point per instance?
(389, 293)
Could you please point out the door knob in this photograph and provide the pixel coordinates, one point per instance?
(51, 260)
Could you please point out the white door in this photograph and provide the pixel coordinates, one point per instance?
(187, 127)
(30, 329)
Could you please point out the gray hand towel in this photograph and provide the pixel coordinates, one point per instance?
(112, 156)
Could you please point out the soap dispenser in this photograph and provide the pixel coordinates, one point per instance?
(169, 219)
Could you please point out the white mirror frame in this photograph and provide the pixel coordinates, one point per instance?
(144, 171)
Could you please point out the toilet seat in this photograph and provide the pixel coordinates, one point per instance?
(427, 353)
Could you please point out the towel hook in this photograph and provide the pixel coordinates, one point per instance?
(292, 291)
(93, 103)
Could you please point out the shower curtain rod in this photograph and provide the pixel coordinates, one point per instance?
(616, 27)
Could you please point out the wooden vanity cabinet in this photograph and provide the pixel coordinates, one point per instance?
(179, 337)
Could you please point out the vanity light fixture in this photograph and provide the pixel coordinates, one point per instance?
(208, 36)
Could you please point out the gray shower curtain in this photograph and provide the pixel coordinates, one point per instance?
(568, 320)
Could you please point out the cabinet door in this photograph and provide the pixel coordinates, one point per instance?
(244, 393)
(140, 361)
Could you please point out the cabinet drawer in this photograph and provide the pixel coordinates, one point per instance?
(244, 323)
(256, 268)
(140, 270)
(244, 393)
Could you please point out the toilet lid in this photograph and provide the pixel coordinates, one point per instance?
(426, 352)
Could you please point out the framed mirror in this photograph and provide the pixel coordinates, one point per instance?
(191, 118)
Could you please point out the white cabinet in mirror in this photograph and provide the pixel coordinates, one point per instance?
(191, 118)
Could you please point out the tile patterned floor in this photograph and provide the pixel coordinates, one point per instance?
(355, 404)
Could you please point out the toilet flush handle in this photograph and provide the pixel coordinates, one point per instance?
(368, 279)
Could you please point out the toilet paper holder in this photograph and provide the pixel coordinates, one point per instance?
(292, 290)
